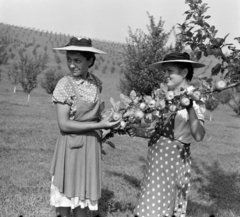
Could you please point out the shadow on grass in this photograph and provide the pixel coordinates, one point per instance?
(108, 205)
(234, 127)
(133, 181)
(221, 187)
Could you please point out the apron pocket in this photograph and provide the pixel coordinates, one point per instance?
(75, 141)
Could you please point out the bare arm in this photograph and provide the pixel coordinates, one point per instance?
(196, 125)
(70, 126)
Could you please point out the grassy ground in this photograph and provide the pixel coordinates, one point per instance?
(27, 139)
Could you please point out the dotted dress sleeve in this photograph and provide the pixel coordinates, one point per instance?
(98, 83)
(200, 110)
(63, 92)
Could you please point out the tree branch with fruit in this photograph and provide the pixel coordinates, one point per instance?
(146, 110)
(197, 33)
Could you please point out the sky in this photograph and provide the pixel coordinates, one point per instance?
(111, 19)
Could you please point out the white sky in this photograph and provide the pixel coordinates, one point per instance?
(110, 19)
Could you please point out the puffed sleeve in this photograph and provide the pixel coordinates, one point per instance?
(200, 110)
(62, 92)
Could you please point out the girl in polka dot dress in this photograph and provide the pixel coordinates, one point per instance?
(76, 163)
(166, 180)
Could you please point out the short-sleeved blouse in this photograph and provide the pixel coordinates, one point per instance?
(89, 90)
(182, 130)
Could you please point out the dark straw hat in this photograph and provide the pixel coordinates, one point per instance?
(80, 44)
(176, 57)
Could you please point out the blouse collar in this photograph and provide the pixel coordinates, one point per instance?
(81, 80)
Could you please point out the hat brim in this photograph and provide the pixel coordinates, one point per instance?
(160, 65)
(80, 48)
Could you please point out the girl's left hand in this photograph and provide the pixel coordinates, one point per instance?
(105, 123)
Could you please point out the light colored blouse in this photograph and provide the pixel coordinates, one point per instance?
(182, 130)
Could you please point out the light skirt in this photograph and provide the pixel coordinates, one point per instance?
(58, 199)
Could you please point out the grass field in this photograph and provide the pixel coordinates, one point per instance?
(28, 133)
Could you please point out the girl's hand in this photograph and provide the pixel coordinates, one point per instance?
(131, 131)
(105, 123)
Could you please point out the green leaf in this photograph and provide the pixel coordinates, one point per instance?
(206, 24)
(112, 102)
(111, 144)
(209, 80)
(238, 39)
(180, 25)
(207, 17)
(212, 29)
(189, 34)
(164, 87)
(183, 26)
(133, 94)
(214, 33)
(193, 46)
(199, 55)
(189, 16)
(103, 152)
(216, 69)
(226, 36)
(199, 37)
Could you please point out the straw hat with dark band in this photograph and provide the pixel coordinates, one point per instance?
(81, 44)
(176, 57)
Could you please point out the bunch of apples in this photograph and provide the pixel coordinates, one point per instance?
(142, 110)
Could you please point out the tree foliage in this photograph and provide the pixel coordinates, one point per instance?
(202, 38)
(224, 96)
(28, 68)
(4, 42)
(50, 79)
(13, 76)
(211, 104)
(234, 103)
(141, 50)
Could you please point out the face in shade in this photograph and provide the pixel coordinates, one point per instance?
(78, 64)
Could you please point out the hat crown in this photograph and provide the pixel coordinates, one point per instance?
(177, 56)
(82, 42)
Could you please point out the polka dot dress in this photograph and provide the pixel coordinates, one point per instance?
(166, 178)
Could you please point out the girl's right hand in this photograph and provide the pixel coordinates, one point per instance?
(131, 131)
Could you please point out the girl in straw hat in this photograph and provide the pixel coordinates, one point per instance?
(76, 163)
(166, 180)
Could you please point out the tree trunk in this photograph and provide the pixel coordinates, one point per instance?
(14, 89)
(210, 117)
(28, 97)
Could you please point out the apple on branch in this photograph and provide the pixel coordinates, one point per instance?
(220, 85)
(169, 95)
(185, 102)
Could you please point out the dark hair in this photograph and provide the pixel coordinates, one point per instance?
(88, 55)
(187, 66)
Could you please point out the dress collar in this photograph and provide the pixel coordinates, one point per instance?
(81, 80)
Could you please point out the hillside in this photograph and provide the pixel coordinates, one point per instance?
(107, 67)
(36, 42)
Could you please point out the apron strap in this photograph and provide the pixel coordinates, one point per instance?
(74, 88)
